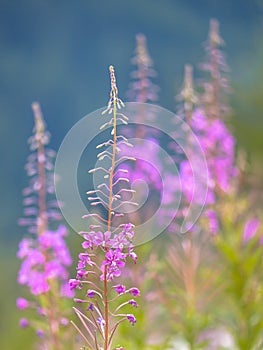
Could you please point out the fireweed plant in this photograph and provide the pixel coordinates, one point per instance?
(191, 283)
(208, 121)
(187, 100)
(142, 89)
(185, 284)
(106, 250)
(44, 253)
(212, 284)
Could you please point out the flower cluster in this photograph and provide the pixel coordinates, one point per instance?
(45, 258)
(219, 146)
(113, 251)
(114, 248)
(208, 124)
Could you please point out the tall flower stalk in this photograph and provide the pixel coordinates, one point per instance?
(45, 256)
(107, 245)
(216, 85)
(208, 121)
(187, 95)
(142, 89)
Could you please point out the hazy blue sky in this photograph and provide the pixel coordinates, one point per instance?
(57, 52)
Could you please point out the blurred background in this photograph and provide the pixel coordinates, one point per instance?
(58, 53)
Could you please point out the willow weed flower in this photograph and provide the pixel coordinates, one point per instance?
(44, 254)
(106, 251)
(207, 120)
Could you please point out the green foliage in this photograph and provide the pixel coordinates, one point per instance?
(241, 266)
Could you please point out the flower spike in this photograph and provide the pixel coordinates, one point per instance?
(106, 251)
(45, 256)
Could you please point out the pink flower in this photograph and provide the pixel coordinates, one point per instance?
(73, 283)
(120, 288)
(22, 303)
(134, 292)
(250, 229)
(133, 303)
(115, 261)
(23, 323)
(131, 319)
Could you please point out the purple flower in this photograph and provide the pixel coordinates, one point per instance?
(41, 311)
(84, 259)
(23, 323)
(123, 238)
(134, 292)
(24, 248)
(133, 303)
(250, 229)
(65, 291)
(133, 255)
(101, 322)
(120, 288)
(143, 169)
(101, 239)
(119, 241)
(90, 307)
(64, 321)
(88, 243)
(91, 293)
(22, 303)
(54, 240)
(35, 257)
(46, 240)
(96, 239)
(44, 259)
(115, 261)
(213, 221)
(39, 333)
(38, 283)
(131, 319)
(54, 269)
(73, 283)
(218, 145)
(82, 273)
